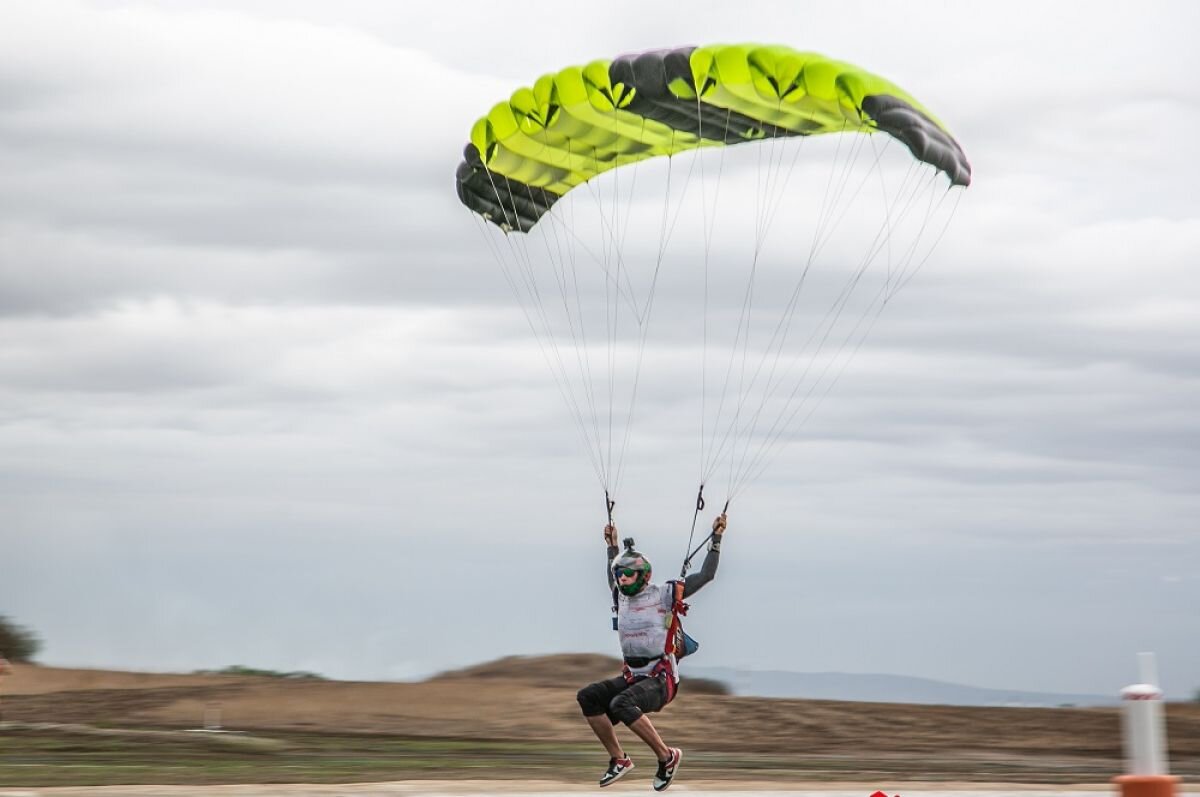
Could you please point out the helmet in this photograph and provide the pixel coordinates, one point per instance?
(631, 560)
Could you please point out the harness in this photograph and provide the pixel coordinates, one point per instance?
(679, 644)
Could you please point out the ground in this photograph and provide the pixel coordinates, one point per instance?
(517, 719)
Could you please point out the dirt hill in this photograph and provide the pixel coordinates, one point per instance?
(29, 679)
(565, 668)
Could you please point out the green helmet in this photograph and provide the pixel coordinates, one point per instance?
(631, 563)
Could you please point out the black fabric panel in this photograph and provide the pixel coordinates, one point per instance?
(926, 141)
(651, 72)
(504, 202)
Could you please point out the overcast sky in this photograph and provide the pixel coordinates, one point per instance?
(265, 397)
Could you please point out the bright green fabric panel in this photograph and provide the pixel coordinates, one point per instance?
(568, 127)
(795, 91)
(573, 124)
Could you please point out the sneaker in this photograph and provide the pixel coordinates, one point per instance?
(616, 768)
(667, 769)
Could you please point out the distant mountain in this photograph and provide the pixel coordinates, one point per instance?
(570, 668)
(881, 688)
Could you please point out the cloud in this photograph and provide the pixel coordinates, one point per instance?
(251, 346)
(195, 152)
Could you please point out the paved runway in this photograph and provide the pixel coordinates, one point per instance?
(527, 789)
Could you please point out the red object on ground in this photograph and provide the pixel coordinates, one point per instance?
(1145, 785)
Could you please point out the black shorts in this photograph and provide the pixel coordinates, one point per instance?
(623, 701)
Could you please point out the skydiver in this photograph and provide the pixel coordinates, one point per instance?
(646, 615)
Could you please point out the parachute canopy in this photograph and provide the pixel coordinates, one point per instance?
(574, 124)
(771, 263)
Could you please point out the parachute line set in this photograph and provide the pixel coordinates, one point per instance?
(576, 185)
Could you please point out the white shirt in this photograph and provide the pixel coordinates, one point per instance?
(643, 621)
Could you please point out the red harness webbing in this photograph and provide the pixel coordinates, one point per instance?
(678, 609)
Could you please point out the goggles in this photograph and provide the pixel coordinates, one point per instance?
(626, 572)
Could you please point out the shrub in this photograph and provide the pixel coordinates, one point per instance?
(704, 686)
(16, 642)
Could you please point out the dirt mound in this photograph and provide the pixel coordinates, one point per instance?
(564, 669)
(34, 679)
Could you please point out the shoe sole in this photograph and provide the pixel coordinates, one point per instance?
(678, 761)
(604, 783)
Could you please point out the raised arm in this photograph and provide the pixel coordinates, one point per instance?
(708, 570)
(610, 537)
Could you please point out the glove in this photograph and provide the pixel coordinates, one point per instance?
(610, 535)
(714, 544)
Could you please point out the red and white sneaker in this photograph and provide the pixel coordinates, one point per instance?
(667, 769)
(616, 768)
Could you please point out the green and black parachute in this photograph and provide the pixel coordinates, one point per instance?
(573, 124)
(601, 186)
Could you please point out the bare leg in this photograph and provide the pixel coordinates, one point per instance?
(607, 734)
(647, 733)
